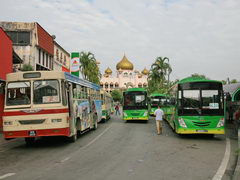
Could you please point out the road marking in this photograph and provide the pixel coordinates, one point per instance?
(7, 175)
(96, 138)
(67, 158)
(224, 163)
(91, 142)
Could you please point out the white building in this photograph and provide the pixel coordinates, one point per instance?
(125, 77)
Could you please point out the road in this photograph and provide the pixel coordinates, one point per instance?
(115, 151)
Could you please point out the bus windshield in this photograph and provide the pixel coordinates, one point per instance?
(135, 100)
(18, 93)
(202, 101)
(158, 100)
(46, 91)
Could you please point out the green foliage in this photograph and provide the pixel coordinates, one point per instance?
(116, 95)
(27, 67)
(89, 68)
(233, 81)
(158, 78)
(199, 76)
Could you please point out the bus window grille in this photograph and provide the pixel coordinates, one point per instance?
(202, 124)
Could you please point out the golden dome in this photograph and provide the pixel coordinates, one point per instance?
(124, 64)
(145, 71)
(108, 71)
(139, 75)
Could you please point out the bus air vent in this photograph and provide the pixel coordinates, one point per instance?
(202, 124)
(35, 121)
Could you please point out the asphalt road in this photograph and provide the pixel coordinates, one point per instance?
(115, 151)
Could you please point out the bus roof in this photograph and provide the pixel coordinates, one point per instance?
(157, 94)
(37, 75)
(196, 79)
(135, 89)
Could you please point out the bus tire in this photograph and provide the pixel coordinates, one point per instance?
(73, 138)
(29, 141)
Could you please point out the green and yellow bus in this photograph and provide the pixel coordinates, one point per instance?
(158, 99)
(199, 107)
(107, 104)
(135, 104)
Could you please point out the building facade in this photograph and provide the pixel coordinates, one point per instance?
(33, 44)
(61, 58)
(125, 77)
(6, 56)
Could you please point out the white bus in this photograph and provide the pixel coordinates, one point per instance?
(107, 105)
(48, 103)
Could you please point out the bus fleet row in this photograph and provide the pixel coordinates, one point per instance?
(47, 103)
(192, 106)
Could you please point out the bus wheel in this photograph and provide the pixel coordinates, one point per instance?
(73, 138)
(29, 141)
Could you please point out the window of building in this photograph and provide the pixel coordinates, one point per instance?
(39, 56)
(43, 58)
(19, 38)
(65, 60)
(61, 57)
(47, 63)
(57, 54)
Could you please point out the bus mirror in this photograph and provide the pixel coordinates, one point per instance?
(2, 86)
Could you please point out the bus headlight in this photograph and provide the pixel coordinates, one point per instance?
(182, 123)
(145, 114)
(125, 114)
(220, 123)
(56, 120)
(8, 123)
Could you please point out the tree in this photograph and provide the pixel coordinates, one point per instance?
(233, 81)
(27, 67)
(116, 95)
(199, 76)
(89, 67)
(157, 81)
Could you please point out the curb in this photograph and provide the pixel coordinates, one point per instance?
(236, 175)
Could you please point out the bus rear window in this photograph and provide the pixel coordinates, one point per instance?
(18, 93)
(46, 91)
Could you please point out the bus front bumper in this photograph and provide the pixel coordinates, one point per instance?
(137, 118)
(37, 133)
(200, 131)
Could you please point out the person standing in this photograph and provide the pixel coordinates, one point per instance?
(117, 110)
(159, 117)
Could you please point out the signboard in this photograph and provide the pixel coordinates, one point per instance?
(75, 64)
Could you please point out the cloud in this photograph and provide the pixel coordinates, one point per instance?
(197, 36)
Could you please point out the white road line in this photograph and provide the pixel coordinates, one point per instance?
(91, 142)
(96, 138)
(224, 163)
(7, 175)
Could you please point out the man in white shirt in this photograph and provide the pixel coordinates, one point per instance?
(159, 117)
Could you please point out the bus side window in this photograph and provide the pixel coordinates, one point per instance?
(74, 88)
(64, 97)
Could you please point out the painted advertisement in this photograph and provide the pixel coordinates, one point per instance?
(75, 64)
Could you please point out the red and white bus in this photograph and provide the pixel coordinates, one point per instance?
(48, 103)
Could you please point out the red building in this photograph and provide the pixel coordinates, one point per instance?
(6, 61)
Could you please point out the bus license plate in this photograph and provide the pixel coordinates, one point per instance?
(32, 133)
(202, 130)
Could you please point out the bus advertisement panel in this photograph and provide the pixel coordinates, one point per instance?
(135, 104)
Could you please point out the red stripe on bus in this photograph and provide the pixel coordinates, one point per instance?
(44, 111)
(39, 133)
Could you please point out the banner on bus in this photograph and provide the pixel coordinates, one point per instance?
(75, 64)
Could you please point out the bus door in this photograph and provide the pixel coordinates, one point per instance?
(72, 122)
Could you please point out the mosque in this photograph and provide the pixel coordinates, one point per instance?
(125, 77)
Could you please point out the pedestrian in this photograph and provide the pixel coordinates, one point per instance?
(117, 110)
(159, 117)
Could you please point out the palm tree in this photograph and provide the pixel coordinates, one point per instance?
(89, 68)
(158, 72)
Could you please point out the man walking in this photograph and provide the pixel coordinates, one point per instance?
(159, 117)
(117, 110)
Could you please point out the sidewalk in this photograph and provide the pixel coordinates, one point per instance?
(236, 175)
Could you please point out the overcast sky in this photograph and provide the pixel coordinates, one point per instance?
(198, 36)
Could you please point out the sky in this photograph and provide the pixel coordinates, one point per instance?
(198, 36)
